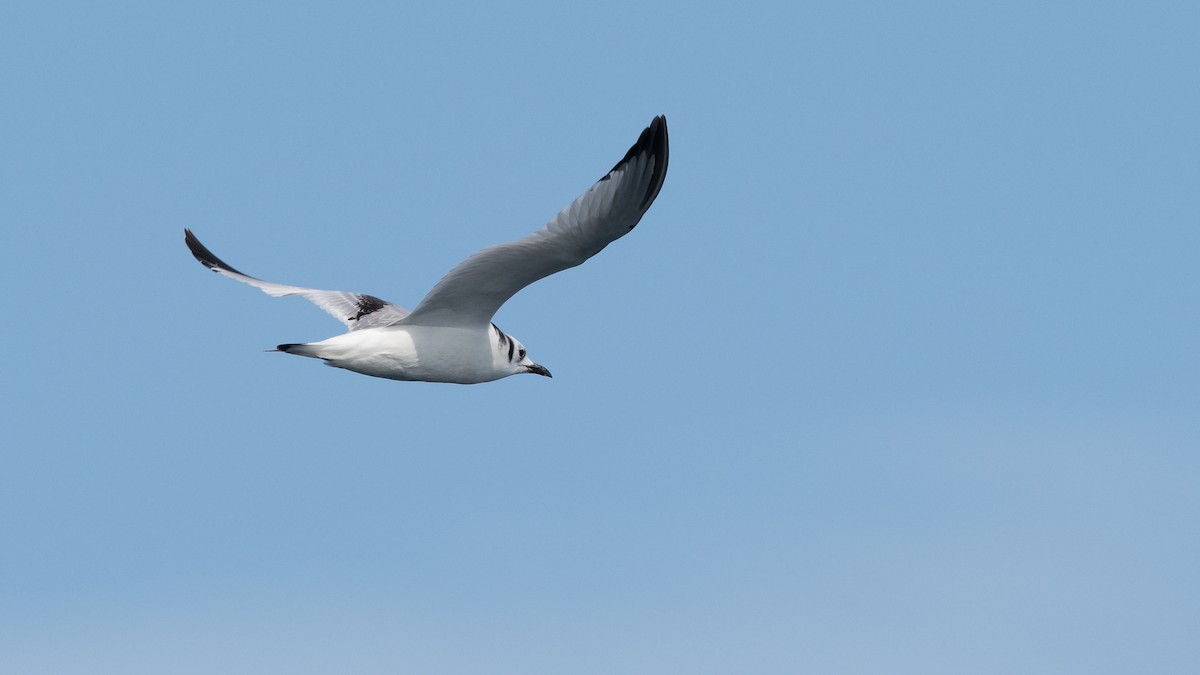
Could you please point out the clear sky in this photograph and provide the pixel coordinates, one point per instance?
(899, 374)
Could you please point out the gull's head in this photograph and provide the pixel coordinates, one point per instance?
(511, 354)
(526, 365)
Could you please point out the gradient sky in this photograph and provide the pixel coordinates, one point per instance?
(899, 374)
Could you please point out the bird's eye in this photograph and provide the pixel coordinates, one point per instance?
(521, 352)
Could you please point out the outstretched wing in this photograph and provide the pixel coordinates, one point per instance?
(356, 310)
(472, 292)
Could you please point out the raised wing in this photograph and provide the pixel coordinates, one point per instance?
(355, 310)
(472, 292)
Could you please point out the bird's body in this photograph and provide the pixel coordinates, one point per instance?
(449, 337)
(422, 353)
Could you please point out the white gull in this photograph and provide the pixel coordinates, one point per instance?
(450, 336)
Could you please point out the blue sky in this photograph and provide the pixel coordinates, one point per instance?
(898, 375)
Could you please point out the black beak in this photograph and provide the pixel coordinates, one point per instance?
(535, 368)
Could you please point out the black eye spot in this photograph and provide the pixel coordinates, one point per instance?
(522, 352)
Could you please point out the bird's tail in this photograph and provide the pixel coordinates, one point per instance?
(300, 350)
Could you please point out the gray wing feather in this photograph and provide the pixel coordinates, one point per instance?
(470, 294)
(355, 310)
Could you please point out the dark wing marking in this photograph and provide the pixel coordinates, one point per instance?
(367, 304)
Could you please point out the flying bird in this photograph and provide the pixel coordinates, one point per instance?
(450, 336)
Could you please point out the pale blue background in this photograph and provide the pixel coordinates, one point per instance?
(899, 375)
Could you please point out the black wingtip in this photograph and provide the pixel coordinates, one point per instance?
(652, 141)
(287, 348)
(205, 256)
